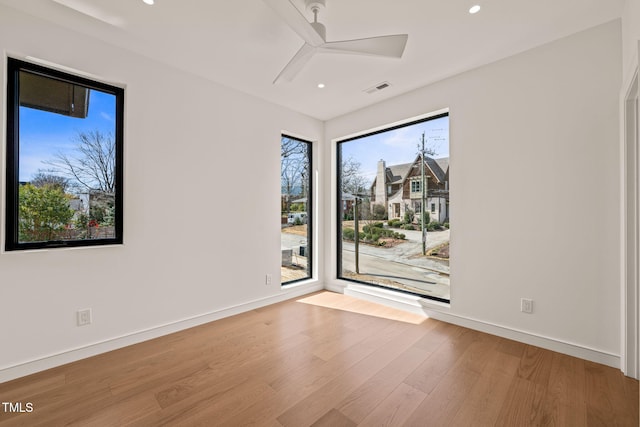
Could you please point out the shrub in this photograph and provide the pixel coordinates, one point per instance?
(446, 225)
(43, 212)
(432, 226)
(426, 216)
(376, 227)
(394, 223)
(408, 227)
(408, 216)
(348, 234)
(297, 221)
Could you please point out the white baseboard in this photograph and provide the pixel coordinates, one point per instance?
(439, 311)
(398, 300)
(93, 349)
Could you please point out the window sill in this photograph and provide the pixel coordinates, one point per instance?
(400, 300)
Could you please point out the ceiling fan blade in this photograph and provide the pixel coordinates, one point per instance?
(296, 64)
(296, 20)
(388, 46)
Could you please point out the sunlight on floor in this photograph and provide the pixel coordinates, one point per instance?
(354, 305)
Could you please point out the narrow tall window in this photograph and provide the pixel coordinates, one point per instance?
(295, 206)
(64, 159)
(396, 240)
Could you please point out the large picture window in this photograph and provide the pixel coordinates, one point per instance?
(295, 207)
(64, 159)
(393, 208)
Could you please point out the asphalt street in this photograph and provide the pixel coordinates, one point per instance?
(400, 266)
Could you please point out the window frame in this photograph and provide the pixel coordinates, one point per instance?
(309, 211)
(12, 184)
(339, 211)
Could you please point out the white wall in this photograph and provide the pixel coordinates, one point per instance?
(630, 53)
(201, 213)
(540, 129)
(630, 37)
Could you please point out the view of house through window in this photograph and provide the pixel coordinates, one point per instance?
(394, 190)
(64, 148)
(295, 206)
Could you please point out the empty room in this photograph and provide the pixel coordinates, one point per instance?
(319, 212)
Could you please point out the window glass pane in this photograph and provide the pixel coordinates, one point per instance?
(65, 138)
(398, 244)
(295, 202)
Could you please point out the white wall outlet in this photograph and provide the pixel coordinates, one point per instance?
(267, 279)
(84, 317)
(526, 305)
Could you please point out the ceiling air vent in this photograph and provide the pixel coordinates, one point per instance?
(378, 87)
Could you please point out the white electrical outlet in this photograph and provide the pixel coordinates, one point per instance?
(267, 279)
(526, 305)
(84, 317)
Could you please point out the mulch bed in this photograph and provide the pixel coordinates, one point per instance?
(441, 251)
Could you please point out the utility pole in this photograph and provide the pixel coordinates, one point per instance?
(424, 188)
(356, 236)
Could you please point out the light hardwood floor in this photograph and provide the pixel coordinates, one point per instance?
(326, 360)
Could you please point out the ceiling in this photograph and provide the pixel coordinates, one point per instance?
(244, 44)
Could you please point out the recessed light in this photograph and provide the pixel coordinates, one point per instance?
(149, 2)
(474, 9)
(320, 85)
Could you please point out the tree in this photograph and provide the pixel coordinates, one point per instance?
(92, 167)
(43, 212)
(290, 147)
(47, 179)
(294, 170)
(353, 182)
(379, 212)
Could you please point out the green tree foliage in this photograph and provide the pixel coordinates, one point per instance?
(43, 212)
(109, 216)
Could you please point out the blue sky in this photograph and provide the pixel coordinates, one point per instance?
(44, 134)
(398, 146)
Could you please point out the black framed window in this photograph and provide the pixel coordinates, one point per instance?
(64, 159)
(295, 209)
(396, 239)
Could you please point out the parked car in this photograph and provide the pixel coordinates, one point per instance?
(301, 216)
